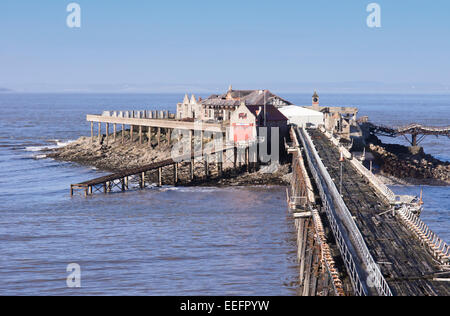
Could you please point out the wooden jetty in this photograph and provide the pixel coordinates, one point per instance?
(121, 179)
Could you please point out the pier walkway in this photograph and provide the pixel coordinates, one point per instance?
(397, 262)
(120, 179)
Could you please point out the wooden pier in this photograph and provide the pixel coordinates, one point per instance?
(377, 246)
(153, 173)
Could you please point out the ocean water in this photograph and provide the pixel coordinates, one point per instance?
(180, 241)
(169, 241)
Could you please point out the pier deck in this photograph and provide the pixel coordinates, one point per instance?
(408, 268)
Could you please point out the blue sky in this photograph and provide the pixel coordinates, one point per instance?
(163, 45)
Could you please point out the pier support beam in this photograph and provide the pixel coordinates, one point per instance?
(175, 174)
(115, 130)
(107, 132)
(99, 132)
(169, 136)
(92, 132)
(219, 158)
(191, 169)
(160, 177)
(206, 166)
(140, 134)
(149, 136)
(142, 184)
(123, 134)
(131, 132)
(247, 160)
(158, 135)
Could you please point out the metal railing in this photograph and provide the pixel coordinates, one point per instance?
(376, 183)
(439, 248)
(375, 278)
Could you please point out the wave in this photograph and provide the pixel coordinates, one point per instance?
(58, 144)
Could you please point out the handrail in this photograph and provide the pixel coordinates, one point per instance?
(439, 248)
(377, 183)
(376, 279)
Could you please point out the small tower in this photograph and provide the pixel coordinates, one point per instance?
(315, 100)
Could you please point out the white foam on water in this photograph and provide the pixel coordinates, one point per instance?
(58, 144)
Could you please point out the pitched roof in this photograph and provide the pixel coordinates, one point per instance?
(251, 97)
(273, 114)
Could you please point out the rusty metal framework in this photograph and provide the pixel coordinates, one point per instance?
(417, 131)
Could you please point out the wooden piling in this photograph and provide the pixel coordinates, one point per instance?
(131, 132)
(142, 182)
(140, 134)
(175, 174)
(160, 177)
(115, 130)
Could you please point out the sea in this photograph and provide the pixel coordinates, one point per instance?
(159, 241)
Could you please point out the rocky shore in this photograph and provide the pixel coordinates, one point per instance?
(113, 156)
(409, 165)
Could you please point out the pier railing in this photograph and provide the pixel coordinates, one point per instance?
(376, 183)
(349, 237)
(439, 248)
(162, 114)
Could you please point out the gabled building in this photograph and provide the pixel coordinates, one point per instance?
(220, 107)
(246, 120)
